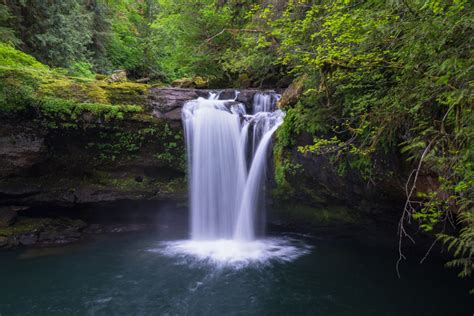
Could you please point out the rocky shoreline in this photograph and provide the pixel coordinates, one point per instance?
(49, 232)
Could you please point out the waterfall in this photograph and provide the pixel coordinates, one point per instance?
(227, 156)
(227, 153)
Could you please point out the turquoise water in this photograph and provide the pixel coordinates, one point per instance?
(127, 274)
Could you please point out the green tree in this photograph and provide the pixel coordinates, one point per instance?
(182, 32)
(7, 34)
(56, 32)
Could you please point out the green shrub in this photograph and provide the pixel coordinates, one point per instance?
(13, 58)
(81, 69)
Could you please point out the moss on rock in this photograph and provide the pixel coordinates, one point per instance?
(292, 94)
(34, 225)
(125, 92)
(195, 82)
(316, 216)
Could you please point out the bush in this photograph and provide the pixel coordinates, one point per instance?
(13, 58)
(81, 69)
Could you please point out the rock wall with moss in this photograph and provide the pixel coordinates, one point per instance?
(324, 187)
(67, 141)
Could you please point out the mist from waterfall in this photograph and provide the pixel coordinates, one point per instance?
(227, 155)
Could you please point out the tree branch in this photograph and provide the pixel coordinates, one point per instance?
(408, 208)
(233, 32)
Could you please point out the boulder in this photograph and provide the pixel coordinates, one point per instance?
(167, 102)
(28, 239)
(3, 241)
(195, 82)
(183, 83)
(292, 94)
(8, 215)
(117, 76)
(163, 100)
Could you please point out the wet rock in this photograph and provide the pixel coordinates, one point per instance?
(3, 241)
(28, 239)
(167, 99)
(167, 102)
(42, 231)
(21, 147)
(8, 215)
(116, 228)
(74, 235)
(246, 97)
(173, 115)
(48, 236)
(94, 229)
(227, 94)
(13, 241)
(7, 218)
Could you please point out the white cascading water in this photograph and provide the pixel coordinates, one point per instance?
(227, 157)
(223, 193)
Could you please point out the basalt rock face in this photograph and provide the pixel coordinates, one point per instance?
(167, 102)
(90, 159)
(21, 147)
(315, 194)
(319, 188)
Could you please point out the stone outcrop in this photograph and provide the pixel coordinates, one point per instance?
(21, 147)
(8, 215)
(167, 102)
(41, 231)
(292, 94)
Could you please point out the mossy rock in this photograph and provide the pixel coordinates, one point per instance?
(129, 183)
(183, 83)
(200, 82)
(117, 76)
(125, 92)
(195, 82)
(71, 112)
(293, 93)
(100, 77)
(29, 231)
(95, 92)
(25, 225)
(315, 216)
(66, 88)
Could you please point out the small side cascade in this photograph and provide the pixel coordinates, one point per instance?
(227, 154)
(264, 118)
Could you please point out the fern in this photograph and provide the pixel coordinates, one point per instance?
(462, 245)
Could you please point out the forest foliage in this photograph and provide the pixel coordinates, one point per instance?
(378, 78)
